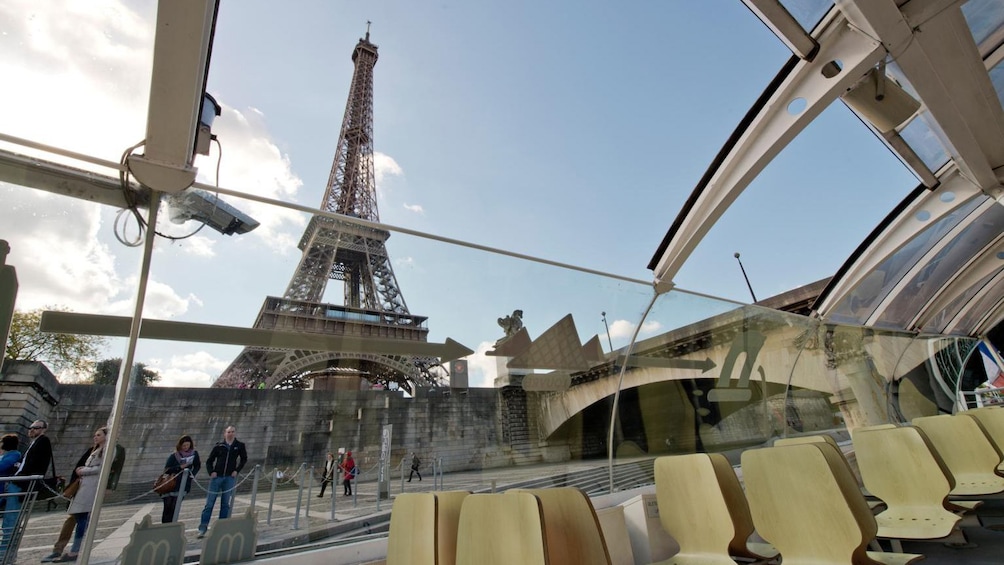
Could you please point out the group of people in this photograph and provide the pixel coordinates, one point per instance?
(225, 461)
(347, 467)
(36, 460)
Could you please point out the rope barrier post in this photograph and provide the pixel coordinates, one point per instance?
(271, 496)
(256, 473)
(355, 490)
(439, 467)
(402, 476)
(185, 477)
(334, 497)
(299, 498)
(310, 489)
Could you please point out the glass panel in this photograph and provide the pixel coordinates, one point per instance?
(922, 137)
(808, 13)
(997, 78)
(982, 306)
(984, 18)
(938, 322)
(859, 304)
(922, 288)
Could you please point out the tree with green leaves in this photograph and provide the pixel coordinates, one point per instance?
(60, 352)
(107, 373)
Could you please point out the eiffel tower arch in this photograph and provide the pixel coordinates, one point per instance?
(345, 251)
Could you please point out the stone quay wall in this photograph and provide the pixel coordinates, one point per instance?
(282, 428)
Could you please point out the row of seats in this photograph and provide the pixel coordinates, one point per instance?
(555, 526)
(802, 496)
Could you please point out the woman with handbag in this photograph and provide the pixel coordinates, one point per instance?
(184, 457)
(80, 506)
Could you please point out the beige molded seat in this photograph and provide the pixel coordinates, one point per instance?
(448, 504)
(573, 532)
(739, 510)
(992, 420)
(898, 466)
(412, 539)
(966, 450)
(693, 510)
(873, 504)
(501, 529)
(804, 501)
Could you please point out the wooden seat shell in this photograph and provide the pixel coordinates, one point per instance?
(572, 530)
(964, 447)
(693, 510)
(804, 501)
(412, 539)
(898, 466)
(501, 529)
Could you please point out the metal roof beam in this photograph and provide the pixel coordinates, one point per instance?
(814, 84)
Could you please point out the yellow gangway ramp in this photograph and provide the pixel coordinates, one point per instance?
(806, 503)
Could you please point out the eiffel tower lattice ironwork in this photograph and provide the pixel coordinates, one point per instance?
(355, 254)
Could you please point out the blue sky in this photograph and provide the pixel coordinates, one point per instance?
(572, 131)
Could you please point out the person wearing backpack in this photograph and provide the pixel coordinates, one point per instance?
(415, 463)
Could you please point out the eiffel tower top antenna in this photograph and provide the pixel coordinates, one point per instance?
(368, 30)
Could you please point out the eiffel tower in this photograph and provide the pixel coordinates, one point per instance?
(340, 250)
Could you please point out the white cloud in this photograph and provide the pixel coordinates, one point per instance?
(194, 370)
(623, 329)
(385, 166)
(253, 164)
(482, 369)
(77, 77)
(417, 208)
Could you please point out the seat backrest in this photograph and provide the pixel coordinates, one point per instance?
(573, 532)
(448, 504)
(805, 439)
(898, 466)
(739, 510)
(501, 529)
(780, 442)
(806, 503)
(992, 420)
(967, 451)
(412, 539)
(692, 507)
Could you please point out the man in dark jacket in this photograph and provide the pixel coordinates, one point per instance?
(226, 459)
(36, 461)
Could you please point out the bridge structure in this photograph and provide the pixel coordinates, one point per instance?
(738, 377)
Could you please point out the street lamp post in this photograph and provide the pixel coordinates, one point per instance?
(609, 340)
(748, 285)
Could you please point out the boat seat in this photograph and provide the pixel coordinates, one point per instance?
(992, 420)
(966, 450)
(573, 532)
(898, 466)
(693, 509)
(501, 529)
(412, 539)
(873, 504)
(804, 501)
